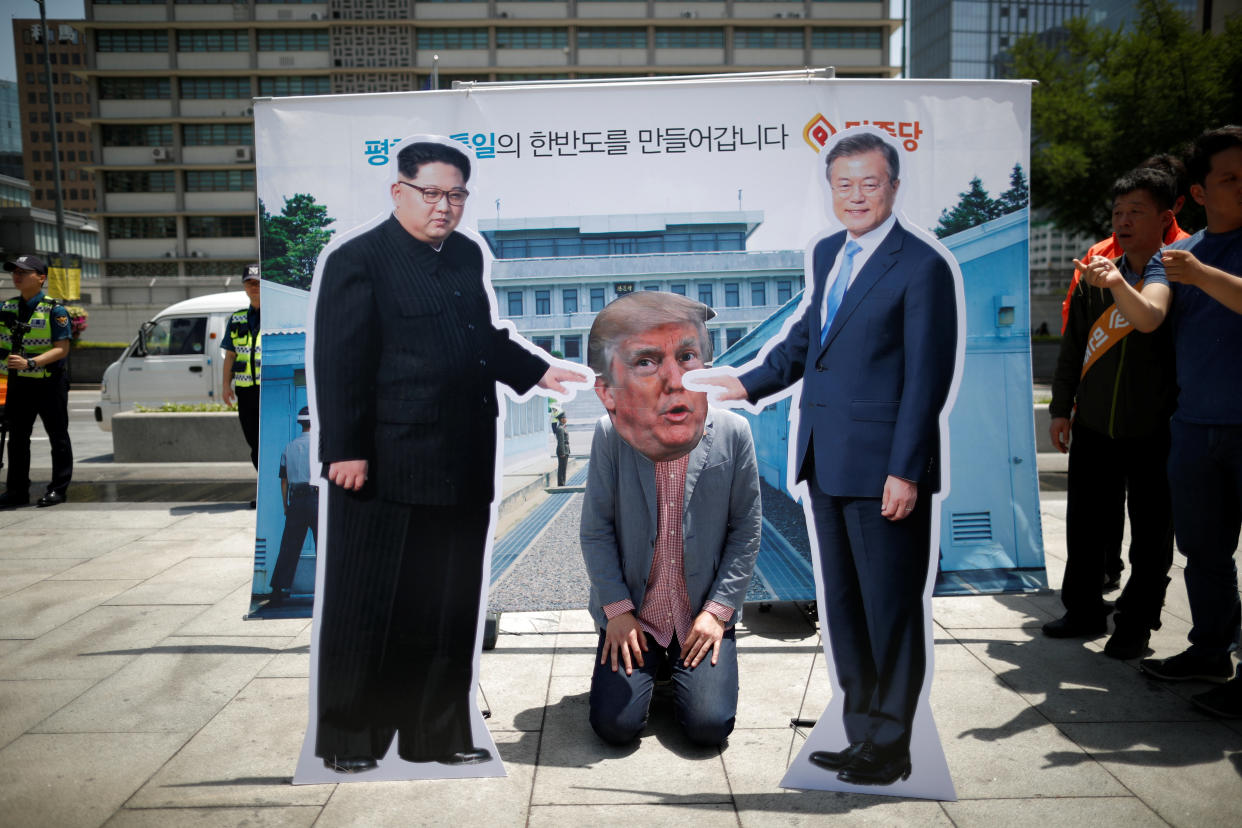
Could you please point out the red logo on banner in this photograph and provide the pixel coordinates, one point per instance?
(817, 132)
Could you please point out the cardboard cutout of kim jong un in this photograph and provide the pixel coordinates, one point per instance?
(408, 358)
(872, 360)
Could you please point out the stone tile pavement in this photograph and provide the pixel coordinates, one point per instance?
(132, 693)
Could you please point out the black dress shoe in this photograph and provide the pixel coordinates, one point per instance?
(12, 500)
(835, 760)
(51, 499)
(1070, 626)
(876, 766)
(474, 756)
(351, 764)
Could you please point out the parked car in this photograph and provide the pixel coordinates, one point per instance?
(175, 358)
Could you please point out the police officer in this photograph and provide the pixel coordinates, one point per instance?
(301, 501)
(562, 447)
(242, 359)
(38, 383)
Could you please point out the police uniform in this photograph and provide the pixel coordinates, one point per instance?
(42, 392)
(301, 511)
(242, 338)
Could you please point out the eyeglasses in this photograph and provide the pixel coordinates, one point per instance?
(432, 195)
(869, 187)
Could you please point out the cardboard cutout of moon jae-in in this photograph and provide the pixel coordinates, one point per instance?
(872, 369)
(409, 360)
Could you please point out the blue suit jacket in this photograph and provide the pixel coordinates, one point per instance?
(873, 391)
(720, 526)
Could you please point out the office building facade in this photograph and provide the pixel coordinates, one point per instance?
(172, 85)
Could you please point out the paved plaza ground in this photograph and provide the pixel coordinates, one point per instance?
(133, 693)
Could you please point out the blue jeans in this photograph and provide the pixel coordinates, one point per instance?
(705, 697)
(1205, 478)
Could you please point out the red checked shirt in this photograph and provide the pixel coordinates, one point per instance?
(666, 607)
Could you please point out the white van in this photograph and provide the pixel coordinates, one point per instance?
(175, 358)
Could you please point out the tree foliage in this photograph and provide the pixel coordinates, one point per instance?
(975, 206)
(290, 242)
(1107, 100)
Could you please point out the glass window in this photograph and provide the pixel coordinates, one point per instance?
(515, 303)
(705, 295)
(758, 294)
(544, 342)
(677, 287)
(767, 38)
(202, 135)
(281, 86)
(571, 346)
(163, 181)
(732, 335)
(176, 336)
(784, 291)
(214, 40)
(137, 89)
(689, 38)
(293, 40)
(597, 299)
(543, 302)
(130, 135)
(569, 300)
(714, 335)
(215, 227)
(219, 181)
(131, 40)
(453, 38)
(610, 38)
(846, 37)
(732, 297)
(215, 87)
(142, 227)
(542, 37)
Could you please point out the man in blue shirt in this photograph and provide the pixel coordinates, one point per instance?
(1205, 461)
(38, 383)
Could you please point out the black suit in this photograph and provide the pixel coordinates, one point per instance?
(872, 392)
(406, 360)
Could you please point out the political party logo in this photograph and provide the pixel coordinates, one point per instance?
(817, 132)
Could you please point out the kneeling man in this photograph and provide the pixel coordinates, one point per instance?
(670, 522)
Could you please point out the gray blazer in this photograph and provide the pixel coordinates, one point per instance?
(720, 526)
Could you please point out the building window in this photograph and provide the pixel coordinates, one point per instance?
(541, 37)
(282, 86)
(219, 181)
(163, 181)
(142, 227)
(515, 304)
(705, 295)
(203, 135)
(714, 335)
(128, 135)
(134, 89)
(219, 227)
(543, 302)
(677, 287)
(597, 299)
(608, 38)
(767, 38)
(758, 294)
(544, 343)
(293, 40)
(214, 40)
(846, 37)
(569, 300)
(131, 40)
(784, 291)
(690, 38)
(652, 288)
(732, 335)
(732, 295)
(571, 346)
(451, 38)
(215, 87)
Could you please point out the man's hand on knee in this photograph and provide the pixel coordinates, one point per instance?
(625, 640)
(705, 634)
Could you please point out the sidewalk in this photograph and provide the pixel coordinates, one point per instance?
(132, 693)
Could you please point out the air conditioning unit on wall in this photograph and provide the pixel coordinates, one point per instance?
(243, 154)
(161, 153)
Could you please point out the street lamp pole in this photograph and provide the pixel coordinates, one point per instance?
(51, 119)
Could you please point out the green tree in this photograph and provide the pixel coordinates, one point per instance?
(1018, 195)
(1107, 100)
(290, 242)
(974, 207)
